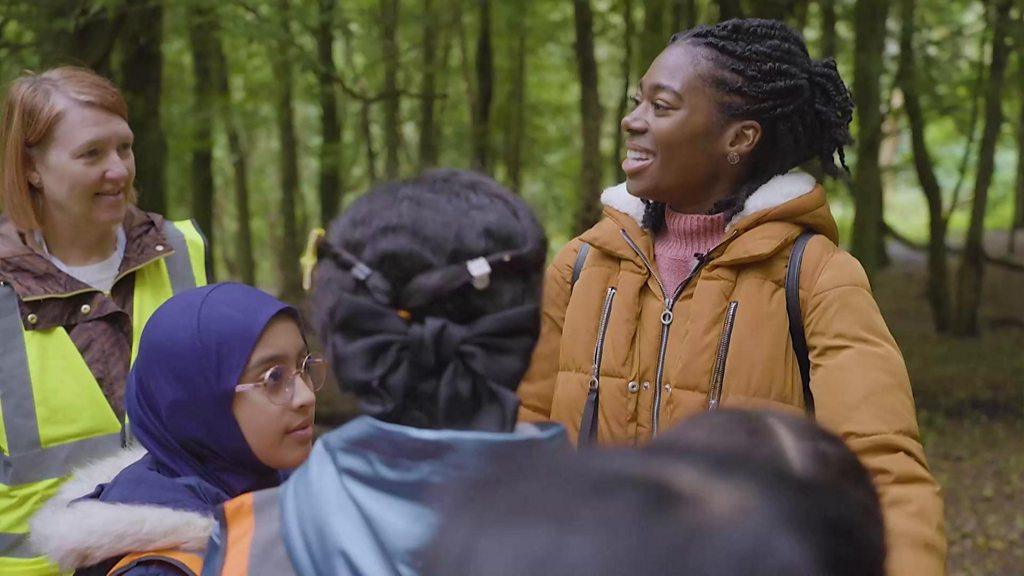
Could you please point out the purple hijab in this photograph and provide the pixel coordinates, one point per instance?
(192, 352)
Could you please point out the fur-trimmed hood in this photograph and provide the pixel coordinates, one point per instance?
(774, 193)
(79, 534)
(771, 217)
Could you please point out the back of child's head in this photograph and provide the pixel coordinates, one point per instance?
(794, 443)
(608, 514)
(427, 294)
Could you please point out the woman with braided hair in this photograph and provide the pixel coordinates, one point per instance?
(714, 277)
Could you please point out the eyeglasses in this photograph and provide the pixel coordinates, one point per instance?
(279, 381)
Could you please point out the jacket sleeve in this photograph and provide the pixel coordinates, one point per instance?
(862, 392)
(538, 386)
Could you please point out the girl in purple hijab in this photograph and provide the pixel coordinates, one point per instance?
(221, 397)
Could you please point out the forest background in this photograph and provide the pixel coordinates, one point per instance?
(261, 118)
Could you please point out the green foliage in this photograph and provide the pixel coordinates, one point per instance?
(951, 35)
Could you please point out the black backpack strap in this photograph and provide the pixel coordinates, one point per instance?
(588, 423)
(796, 319)
(577, 267)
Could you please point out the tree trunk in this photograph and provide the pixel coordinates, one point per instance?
(428, 146)
(800, 12)
(828, 28)
(773, 9)
(938, 272)
(288, 252)
(1018, 188)
(517, 101)
(728, 9)
(969, 278)
(244, 253)
(869, 29)
(684, 15)
(589, 209)
(627, 85)
(201, 25)
(654, 38)
(392, 127)
(141, 85)
(78, 32)
(331, 187)
(371, 154)
(484, 91)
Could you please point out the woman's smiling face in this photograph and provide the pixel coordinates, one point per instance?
(677, 141)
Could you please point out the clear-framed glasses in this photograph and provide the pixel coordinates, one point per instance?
(279, 381)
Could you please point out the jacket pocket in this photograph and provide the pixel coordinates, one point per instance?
(588, 422)
(718, 373)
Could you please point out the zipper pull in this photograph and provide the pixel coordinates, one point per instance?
(666, 314)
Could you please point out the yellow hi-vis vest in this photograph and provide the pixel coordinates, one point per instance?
(53, 415)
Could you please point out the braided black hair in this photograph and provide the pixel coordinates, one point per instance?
(763, 72)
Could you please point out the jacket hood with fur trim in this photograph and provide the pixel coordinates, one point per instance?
(774, 194)
(793, 201)
(79, 534)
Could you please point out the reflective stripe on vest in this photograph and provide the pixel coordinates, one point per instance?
(252, 541)
(189, 563)
(53, 414)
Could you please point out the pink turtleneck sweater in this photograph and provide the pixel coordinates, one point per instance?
(680, 240)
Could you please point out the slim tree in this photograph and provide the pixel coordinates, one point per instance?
(244, 257)
(684, 14)
(589, 209)
(517, 100)
(828, 28)
(970, 274)
(392, 128)
(288, 252)
(1018, 189)
(870, 17)
(77, 32)
(428, 98)
(200, 19)
(141, 83)
(729, 9)
(628, 39)
(655, 35)
(938, 272)
(485, 90)
(774, 9)
(331, 187)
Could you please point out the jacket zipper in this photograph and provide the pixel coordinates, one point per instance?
(602, 330)
(718, 374)
(666, 323)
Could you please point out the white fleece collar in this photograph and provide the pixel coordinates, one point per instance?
(87, 532)
(775, 192)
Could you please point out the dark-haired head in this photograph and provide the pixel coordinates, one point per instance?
(626, 513)
(406, 326)
(727, 107)
(792, 443)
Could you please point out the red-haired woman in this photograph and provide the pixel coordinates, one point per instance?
(81, 270)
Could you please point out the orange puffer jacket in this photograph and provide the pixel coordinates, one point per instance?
(725, 340)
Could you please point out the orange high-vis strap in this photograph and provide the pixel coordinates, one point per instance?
(241, 525)
(187, 562)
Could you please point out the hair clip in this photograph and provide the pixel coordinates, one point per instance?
(309, 256)
(480, 272)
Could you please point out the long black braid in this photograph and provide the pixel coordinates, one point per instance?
(763, 72)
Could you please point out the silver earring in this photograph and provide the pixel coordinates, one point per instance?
(733, 158)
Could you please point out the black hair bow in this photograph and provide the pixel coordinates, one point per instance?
(432, 372)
